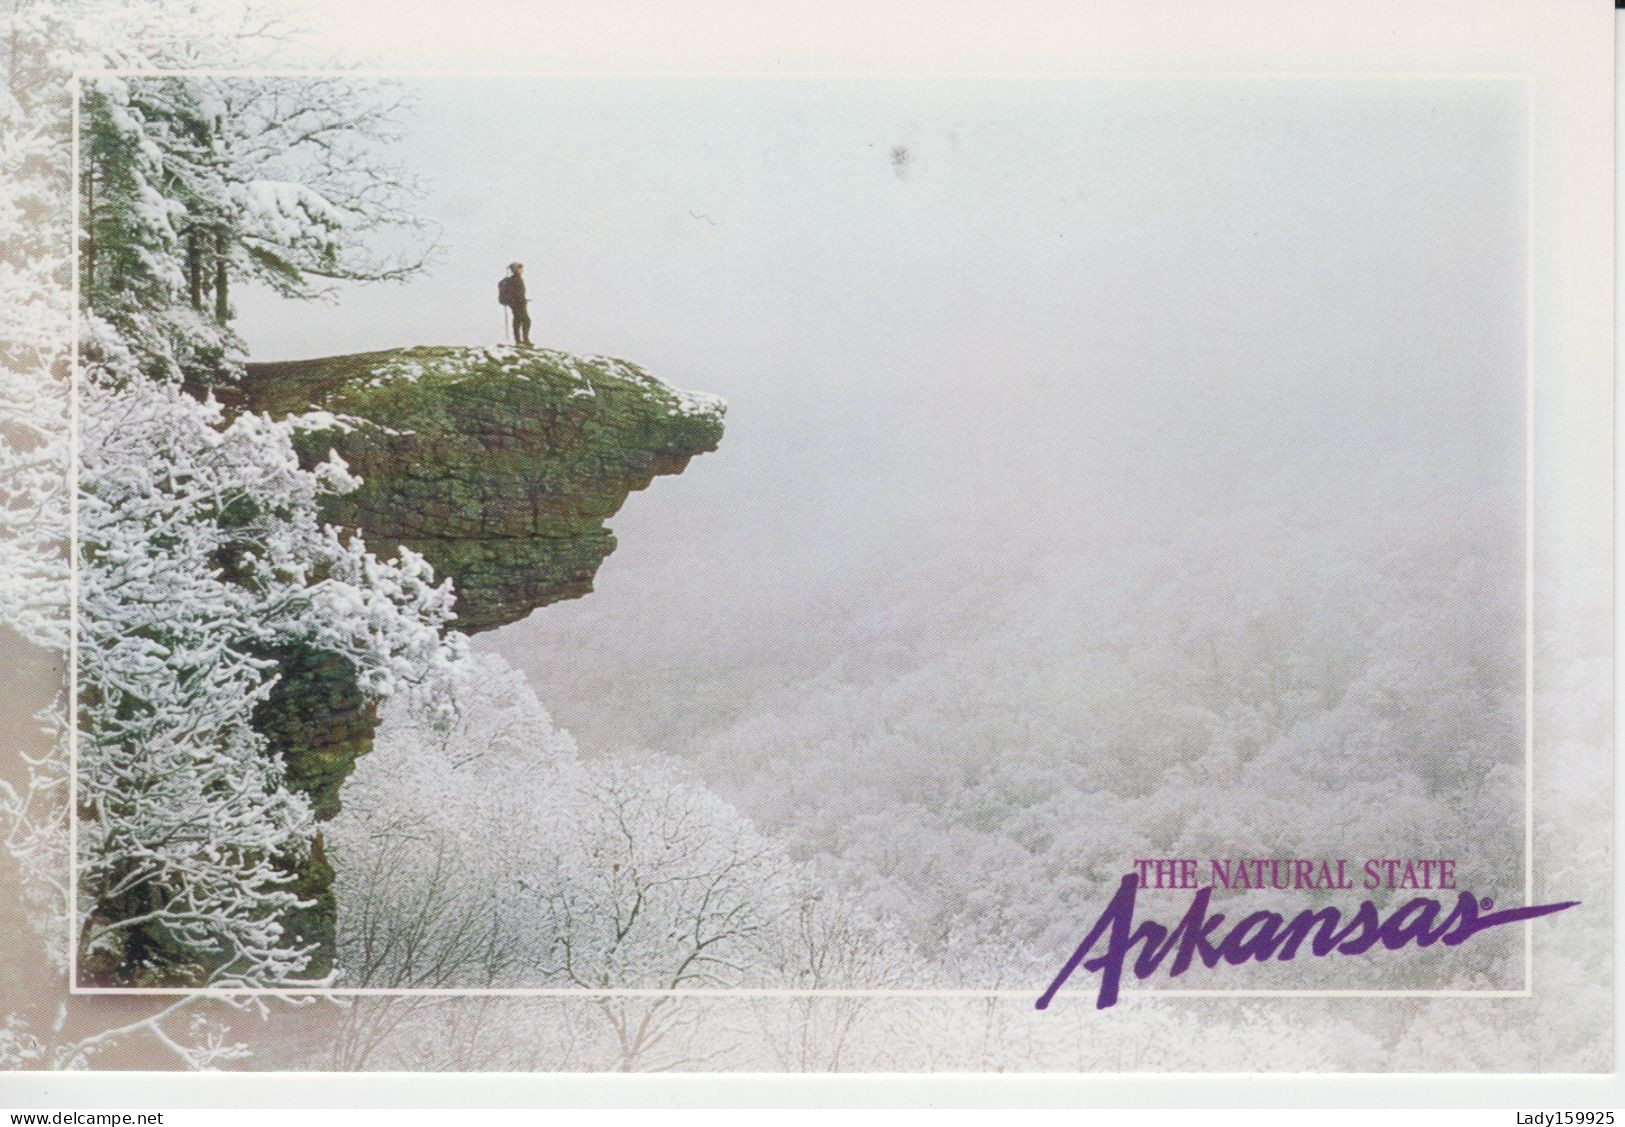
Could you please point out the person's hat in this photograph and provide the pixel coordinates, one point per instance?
(515, 265)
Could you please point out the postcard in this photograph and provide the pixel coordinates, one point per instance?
(1074, 546)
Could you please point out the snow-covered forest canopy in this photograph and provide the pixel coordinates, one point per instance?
(928, 782)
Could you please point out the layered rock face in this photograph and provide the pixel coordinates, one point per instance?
(499, 466)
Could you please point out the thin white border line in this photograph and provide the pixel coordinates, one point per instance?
(822, 76)
(747, 992)
(1529, 535)
(73, 561)
(890, 76)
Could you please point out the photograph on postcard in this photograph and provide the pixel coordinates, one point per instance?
(783, 572)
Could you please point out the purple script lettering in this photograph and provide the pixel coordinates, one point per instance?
(1262, 936)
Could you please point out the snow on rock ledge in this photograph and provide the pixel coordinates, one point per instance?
(498, 465)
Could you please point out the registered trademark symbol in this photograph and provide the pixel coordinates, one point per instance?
(1486, 904)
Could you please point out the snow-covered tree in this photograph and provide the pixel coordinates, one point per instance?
(191, 184)
(476, 848)
(659, 883)
(829, 943)
(200, 551)
(428, 849)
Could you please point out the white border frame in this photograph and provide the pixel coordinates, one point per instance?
(1521, 76)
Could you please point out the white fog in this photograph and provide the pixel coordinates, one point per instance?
(1110, 466)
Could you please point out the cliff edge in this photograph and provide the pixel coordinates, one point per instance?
(498, 465)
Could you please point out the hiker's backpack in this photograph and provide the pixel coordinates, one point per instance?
(505, 294)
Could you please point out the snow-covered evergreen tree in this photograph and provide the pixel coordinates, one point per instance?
(189, 185)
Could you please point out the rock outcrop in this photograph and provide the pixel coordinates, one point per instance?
(499, 466)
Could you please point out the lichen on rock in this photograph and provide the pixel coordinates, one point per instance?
(498, 465)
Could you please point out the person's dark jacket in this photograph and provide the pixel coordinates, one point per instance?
(511, 292)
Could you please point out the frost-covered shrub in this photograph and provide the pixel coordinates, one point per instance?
(200, 549)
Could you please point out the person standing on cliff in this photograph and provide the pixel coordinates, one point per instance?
(511, 292)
